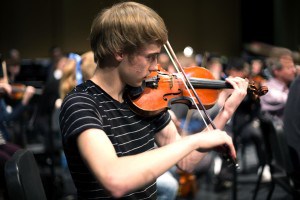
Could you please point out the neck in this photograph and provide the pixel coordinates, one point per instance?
(109, 80)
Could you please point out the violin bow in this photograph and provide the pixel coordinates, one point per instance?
(189, 87)
(4, 71)
(188, 84)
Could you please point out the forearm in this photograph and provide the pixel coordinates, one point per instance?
(146, 167)
(189, 161)
(222, 118)
(120, 175)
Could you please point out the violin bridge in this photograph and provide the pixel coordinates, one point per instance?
(171, 81)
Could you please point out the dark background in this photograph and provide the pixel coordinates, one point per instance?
(33, 26)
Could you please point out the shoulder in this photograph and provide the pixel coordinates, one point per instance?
(162, 120)
(82, 97)
(274, 84)
(77, 99)
(83, 92)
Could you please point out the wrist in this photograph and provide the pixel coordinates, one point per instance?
(24, 102)
(226, 114)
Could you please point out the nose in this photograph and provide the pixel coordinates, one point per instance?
(153, 67)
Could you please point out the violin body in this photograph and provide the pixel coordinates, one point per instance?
(162, 89)
(18, 90)
(187, 184)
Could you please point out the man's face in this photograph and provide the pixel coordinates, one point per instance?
(288, 71)
(135, 68)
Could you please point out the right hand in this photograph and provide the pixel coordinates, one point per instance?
(216, 140)
(6, 87)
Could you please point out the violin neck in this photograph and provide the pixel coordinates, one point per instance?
(201, 83)
(17, 89)
(38, 91)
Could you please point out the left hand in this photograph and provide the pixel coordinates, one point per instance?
(240, 86)
(28, 94)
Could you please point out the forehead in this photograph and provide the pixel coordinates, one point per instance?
(286, 59)
(287, 64)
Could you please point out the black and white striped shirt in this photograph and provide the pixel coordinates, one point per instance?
(88, 106)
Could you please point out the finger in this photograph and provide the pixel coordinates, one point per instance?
(227, 148)
(230, 146)
(237, 80)
(239, 84)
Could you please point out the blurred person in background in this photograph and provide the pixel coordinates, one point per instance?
(20, 95)
(7, 144)
(291, 128)
(282, 68)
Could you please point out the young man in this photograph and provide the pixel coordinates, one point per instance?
(110, 149)
(7, 146)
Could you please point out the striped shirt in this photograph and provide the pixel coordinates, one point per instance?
(88, 106)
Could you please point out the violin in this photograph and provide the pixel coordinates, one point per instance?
(18, 90)
(193, 86)
(161, 89)
(187, 184)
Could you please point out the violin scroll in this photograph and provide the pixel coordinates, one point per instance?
(257, 92)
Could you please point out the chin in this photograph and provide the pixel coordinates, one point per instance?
(139, 85)
(135, 84)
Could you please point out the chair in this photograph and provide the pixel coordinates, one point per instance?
(23, 177)
(278, 157)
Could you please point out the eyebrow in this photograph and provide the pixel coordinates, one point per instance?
(153, 54)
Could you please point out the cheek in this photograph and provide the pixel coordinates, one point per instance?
(134, 75)
(139, 70)
(288, 75)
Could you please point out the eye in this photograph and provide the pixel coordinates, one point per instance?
(152, 57)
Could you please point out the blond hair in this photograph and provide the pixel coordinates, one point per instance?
(124, 28)
(68, 80)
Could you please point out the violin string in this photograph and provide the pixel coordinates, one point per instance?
(177, 65)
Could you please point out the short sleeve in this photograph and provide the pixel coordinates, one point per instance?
(78, 113)
(162, 120)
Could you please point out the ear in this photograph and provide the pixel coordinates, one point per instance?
(119, 56)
